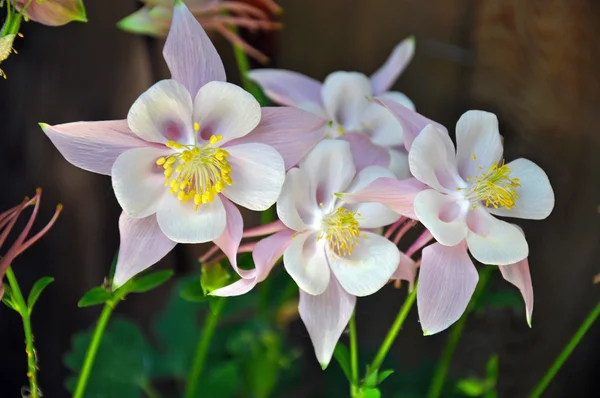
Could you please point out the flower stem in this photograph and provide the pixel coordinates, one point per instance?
(393, 332)
(191, 389)
(90, 356)
(566, 352)
(353, 355)
(244, 67)
(456, 331)
(29, 348)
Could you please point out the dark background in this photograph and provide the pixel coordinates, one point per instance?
(534, 63)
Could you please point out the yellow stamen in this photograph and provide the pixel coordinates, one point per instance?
(495, 187)
(341, 229)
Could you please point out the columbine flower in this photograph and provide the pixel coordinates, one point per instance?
(53, 12)
(189, 148)
(344, 100)
(154, 19)
(8, 220)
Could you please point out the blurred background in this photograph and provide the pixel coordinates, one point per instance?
(534, 63)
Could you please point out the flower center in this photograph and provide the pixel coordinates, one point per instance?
(197, 173)
(334, 130)
(495, 186)
(341, 229)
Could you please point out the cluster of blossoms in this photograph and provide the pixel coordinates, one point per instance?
(342, 160)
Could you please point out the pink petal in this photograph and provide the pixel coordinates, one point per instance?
(407, 270)
(447, 280)
(364, 152)
(189, 53)
(398, 195)
(325, 317)
(229, 240)
(478, 143)
(412, 122)
(289, 88)
(142, 245)
(445, 216)
(386, 76)
(93, 146)
(292, 132)
(518, 274)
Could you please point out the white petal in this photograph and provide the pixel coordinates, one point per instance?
(431, 160)
(443, 215)
(345, 96)
(495, 242)
(536, 197)
(326, 317)
(225, 109)
(399, 163)
(163, 113)
(182, 224)
(297, 207)
(477, 136)
(369, 267)
(400, 98)
(330, 169)
(257, 173)
(306, 262)
(139, 184)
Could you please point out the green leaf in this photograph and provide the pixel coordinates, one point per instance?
(371, 378)
(214, 277)
(472, 387)
(371, 393)
(7, 299)
(384, 375)
(492, 369)
(113, 266)
(342, 356)
(122, 363)
(95, 296)
(193, 292)
(37, 289)
(150, 281)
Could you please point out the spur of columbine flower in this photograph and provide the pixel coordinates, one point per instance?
(154, 19)
(332, 255)
(344, 100)
(53, 12)
(8, 220)
(190, 147)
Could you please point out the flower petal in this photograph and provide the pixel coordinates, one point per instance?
(297, 207)
(345, 96)
(181, 223)
(364, 152)
(400, 98)
(139, 184)
(478, 143)
(443, 215)
(398, 195)
(55, 12)
(369, 267)
(306, 262)
(399, 163)
(330, 169)
(495, 242)
(431, 160)
(381, 126)
(230, 238)
(290, 88)
(292, 132)
(142, 244)
(412, 122)
(518, 274)
(386, 75)
(225, 109)
(257, 172)
(163, 113)
(536, 197)
(325, 317)
(93, 146)
(447, 280)
(407, 270)
(190, 55)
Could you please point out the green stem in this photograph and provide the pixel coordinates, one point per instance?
(29, 348)
(90, 356)
(191, 389)
(566, 352)
(393, 332)
(456, 331)
(244, 67)
(353, 355)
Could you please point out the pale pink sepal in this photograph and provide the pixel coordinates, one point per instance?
(93, 146)
(230, 239)
(292, 132)
(398, 195)
(289, 87)
(325, 317)
(412, 122)
(189, 53)
(518, 274)
(53, 12)
(407, 270)
(142, 245)
(385, 77)
(365, 153)
(447, 280)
